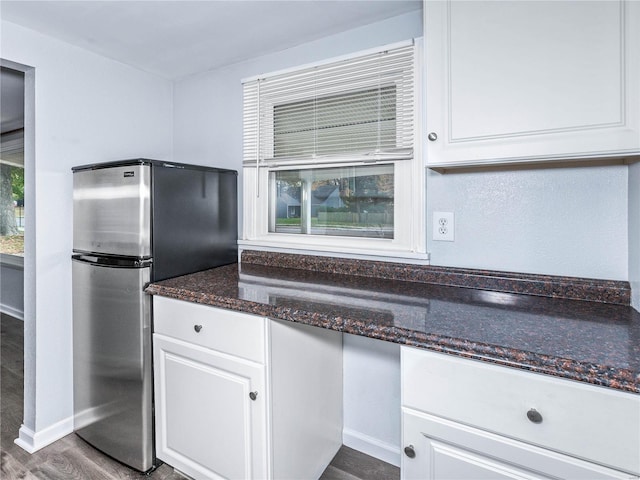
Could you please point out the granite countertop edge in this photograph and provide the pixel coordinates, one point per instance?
(601, 375)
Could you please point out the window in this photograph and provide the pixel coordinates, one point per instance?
(329, 156)
(12, 194)
(343, 201)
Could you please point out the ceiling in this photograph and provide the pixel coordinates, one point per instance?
(177, 38)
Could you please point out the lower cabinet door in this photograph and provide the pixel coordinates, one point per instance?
(439, 449)
(210, 412)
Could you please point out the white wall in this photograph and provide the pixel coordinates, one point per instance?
(562, 221)
(634, 233)
(208, 130)
(87, 109)
(371, 414)
(556, 221)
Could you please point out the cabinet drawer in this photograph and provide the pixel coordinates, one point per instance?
(222, 330)
(593, 423)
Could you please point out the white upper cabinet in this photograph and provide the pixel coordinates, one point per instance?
(531, 81)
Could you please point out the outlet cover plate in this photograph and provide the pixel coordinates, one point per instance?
(443, 226)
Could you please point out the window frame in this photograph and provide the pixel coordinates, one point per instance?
(409, 242)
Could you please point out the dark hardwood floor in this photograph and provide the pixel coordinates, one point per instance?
(70, 458)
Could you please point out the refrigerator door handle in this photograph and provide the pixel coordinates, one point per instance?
(113, 262)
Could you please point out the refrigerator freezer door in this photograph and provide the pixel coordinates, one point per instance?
(112, 361)
(111, 210)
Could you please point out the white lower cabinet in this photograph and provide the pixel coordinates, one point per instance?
(469, 420)
(239, 396)
(444, 449)
(207, 422)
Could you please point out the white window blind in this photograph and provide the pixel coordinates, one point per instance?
(349, 110)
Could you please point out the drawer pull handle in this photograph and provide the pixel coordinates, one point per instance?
(410, 451)
(197, 328)
(253, 395)
(534, 416)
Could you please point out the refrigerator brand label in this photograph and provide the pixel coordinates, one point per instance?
(128, 174)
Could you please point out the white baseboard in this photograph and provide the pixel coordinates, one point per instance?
(33, 441)
(371, 446)
(11, 311)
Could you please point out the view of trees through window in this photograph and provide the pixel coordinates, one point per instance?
(348, 201)
(11, 209)
(12, 162)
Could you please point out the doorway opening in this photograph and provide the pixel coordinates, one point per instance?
(17, 221)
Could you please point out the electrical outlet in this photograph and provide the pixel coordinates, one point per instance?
(443, 226)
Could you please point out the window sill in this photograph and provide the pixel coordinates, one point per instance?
(382, 255)
(14, 261)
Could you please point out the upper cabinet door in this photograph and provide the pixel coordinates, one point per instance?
(531, 81)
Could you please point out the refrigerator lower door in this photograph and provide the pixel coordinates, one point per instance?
(112, 360)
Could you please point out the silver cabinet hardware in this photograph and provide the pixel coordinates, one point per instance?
(433, 136)
(410, 451)
(253, 395)
(534, 416)
(197, 328)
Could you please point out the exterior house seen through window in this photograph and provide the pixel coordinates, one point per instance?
(350, 201)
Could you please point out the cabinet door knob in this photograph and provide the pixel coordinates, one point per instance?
(253, 395)
(433, 136)
(197, 328)
(410, 451)
(534, 416)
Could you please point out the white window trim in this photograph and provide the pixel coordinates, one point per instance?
(409, 244)
(10, 260)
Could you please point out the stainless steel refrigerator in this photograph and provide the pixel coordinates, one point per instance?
(134, 222)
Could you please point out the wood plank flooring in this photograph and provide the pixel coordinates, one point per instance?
(350, 464)
(70, 458)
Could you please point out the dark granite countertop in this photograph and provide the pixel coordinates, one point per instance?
(586, 341)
